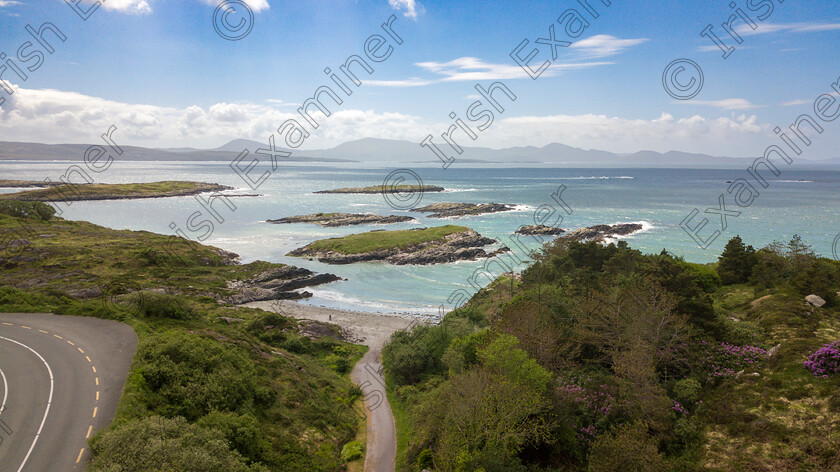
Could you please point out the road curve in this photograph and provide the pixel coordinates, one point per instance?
(381, 433)
(61, 377)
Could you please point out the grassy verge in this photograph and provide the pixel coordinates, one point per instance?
(114, 191)
(366, 242)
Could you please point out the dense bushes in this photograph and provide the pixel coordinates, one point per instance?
(21, 209)
(826, 361)
(190, 376)
(157, 444)
(160, 305)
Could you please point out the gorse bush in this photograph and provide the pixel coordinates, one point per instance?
(160, 305)
(352, 451)
(826, 361)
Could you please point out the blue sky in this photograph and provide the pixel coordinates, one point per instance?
(160, 72)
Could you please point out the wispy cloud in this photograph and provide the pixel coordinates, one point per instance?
(255, 5)
(725, 104)
(9, 3)
(604, 45)
(474, 69)
(794, 103)
(766, 28)
(409, 8)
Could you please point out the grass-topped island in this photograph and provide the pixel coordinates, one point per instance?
(73, 193)
(373, 189)
(440, 244)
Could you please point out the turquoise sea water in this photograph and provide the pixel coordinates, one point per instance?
(797, 202)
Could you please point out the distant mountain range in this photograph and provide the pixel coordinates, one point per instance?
(384, 151)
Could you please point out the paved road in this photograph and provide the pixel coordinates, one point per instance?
(61, 378)
(381, 433)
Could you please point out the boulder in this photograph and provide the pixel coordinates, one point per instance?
(815, 301)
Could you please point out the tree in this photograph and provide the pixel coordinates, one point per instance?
(626, 448)
(736, 263)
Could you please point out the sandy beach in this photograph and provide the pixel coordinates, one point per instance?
(371, 329)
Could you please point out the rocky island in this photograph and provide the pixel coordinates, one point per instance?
(420, 246)
(447, 210)
(342, 219)
(277, 283)
(373, 189)
(73, 193)
(599, 233)
(540, 230)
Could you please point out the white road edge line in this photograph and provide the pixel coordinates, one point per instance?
(5, 392)
(49, 400)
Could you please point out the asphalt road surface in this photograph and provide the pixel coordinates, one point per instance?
(60, 381)
(381, 433)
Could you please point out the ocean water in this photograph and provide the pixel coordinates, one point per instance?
(797, 202)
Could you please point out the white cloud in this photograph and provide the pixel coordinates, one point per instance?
(9, 3)
(725, 104)
(794, 103)
(604, 45)
(53, 116)
(475, 70)
(409, 8)
(255, 5)
(766, 28)
(135, 7)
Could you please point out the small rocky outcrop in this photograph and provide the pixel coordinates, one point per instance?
(448, 210)
(464, 245)
(374, 189)
(342, 219)
(599, 233)
(815, 301)
(276, 284)
(540, 230)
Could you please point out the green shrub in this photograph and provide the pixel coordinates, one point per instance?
(160, 305)
(626, 448)
(157, 444)
(352, 451)
(21, 209)
(687, 392)
(744, 332)
(706, 277)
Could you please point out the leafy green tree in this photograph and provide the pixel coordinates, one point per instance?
(624, 449)
(736, 263)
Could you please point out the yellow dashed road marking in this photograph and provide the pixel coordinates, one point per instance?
(7, 324)
(88, 358)
(94, 369)
(80, 350)
(57, 336)
(95, 409)
(70, 343)
(97, 395)
(80, 455)
(97, 381)
(42, 331)
(25, 327)
(90, 428)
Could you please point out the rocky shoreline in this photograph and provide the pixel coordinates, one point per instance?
(449, 210)
(96, 192)
(540, 230)
(330, 220)
(599, 233)
(276, 284)
(464, 245)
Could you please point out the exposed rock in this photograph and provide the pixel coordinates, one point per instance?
(86, 293)
(230, 320)
(342, 219)
(276, 284)
(758, 301)
(541, 230)
(815, 301)
(599, 233)
(448, 210)
(374, 189)
(772, 352)
(464, 245)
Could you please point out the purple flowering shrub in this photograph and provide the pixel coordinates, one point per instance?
(596, 405)
(725, 360)
(826, 361)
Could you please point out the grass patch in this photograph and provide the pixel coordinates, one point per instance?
(170, 188)
(366, 242)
